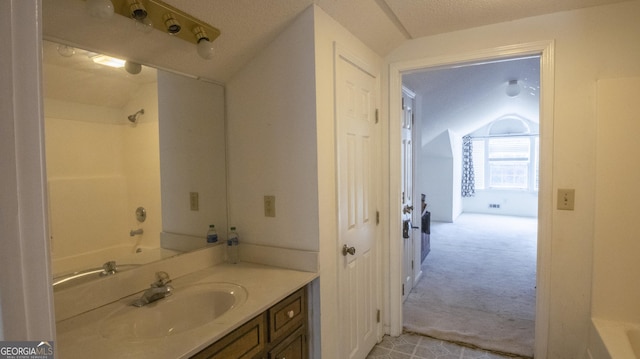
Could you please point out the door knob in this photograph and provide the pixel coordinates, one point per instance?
(407, 209)
(348, 250)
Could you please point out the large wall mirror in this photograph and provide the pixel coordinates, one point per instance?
(127, 150)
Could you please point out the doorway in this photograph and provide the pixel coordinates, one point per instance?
(476, 162)
(545, 53)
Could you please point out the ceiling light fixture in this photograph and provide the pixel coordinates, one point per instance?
(156, 14)
(513, 88)
(107, 60)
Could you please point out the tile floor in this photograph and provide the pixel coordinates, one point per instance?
(413, 346)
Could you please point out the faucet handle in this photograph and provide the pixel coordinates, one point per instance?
(162, 279)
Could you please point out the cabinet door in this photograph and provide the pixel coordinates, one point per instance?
(245, 342)
(287, 315)
(293, 347)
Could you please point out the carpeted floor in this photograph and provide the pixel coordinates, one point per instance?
(478, 284)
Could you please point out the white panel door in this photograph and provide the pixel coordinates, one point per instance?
(355, 121)
(407, 194)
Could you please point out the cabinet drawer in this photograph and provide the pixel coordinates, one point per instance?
(287, 315)
(293, 347)
(245, 342)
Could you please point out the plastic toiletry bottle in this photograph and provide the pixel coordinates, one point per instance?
(212, 235)
(232, 245)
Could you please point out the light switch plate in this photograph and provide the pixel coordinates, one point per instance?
(566, 199)
(269, 206)
(194, 201)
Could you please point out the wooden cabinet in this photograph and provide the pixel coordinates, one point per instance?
(278, 333)
(248, 341)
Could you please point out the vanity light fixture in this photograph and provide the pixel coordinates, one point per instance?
(150, 14)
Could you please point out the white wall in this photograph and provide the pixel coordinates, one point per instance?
(272, 142)
(26, 296)
(616, 269)
(590, 44)
(439, 175)
(512, 203)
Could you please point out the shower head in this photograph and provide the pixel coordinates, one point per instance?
(134, 118)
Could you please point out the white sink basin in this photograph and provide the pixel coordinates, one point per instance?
(187, 308)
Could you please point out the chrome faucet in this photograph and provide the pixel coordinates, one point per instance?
(137, 231)
(159, 289)
(109, 268)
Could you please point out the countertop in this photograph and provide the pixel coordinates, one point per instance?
(79, 336)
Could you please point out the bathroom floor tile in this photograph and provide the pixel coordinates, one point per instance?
(413, 346)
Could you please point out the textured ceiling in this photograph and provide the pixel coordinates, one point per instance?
(248, 26)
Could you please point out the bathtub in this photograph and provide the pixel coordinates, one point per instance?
(614, 340)
(123, 255)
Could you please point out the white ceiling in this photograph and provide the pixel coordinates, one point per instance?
(248, 26)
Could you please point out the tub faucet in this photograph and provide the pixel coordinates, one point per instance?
(109, 268)
(137, 231)
(159, 289)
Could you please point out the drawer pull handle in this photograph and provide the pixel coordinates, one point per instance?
(290, 313)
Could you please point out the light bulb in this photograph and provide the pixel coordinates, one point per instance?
(66, 51)
(205, 49)
(101, 9)
(133, 68)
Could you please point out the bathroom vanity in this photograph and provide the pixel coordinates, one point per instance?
(269, 319)
(278, 333)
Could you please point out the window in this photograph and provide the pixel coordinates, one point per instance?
(509, 162)
(478, 162)
(506, 162)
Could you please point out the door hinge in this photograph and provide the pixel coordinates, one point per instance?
(402, 196)
(377, 115)
(403, 289)
(378, 316)
(377, 217)
(403, 103)
(413, 118)
(411, 264)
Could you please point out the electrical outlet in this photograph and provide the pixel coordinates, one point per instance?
(269, 206)
(566, 199)
(194, 201)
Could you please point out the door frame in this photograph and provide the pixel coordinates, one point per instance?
(544, 49)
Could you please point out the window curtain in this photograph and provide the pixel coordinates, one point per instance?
(468, 176)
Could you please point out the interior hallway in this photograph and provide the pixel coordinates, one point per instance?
(478, 284)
